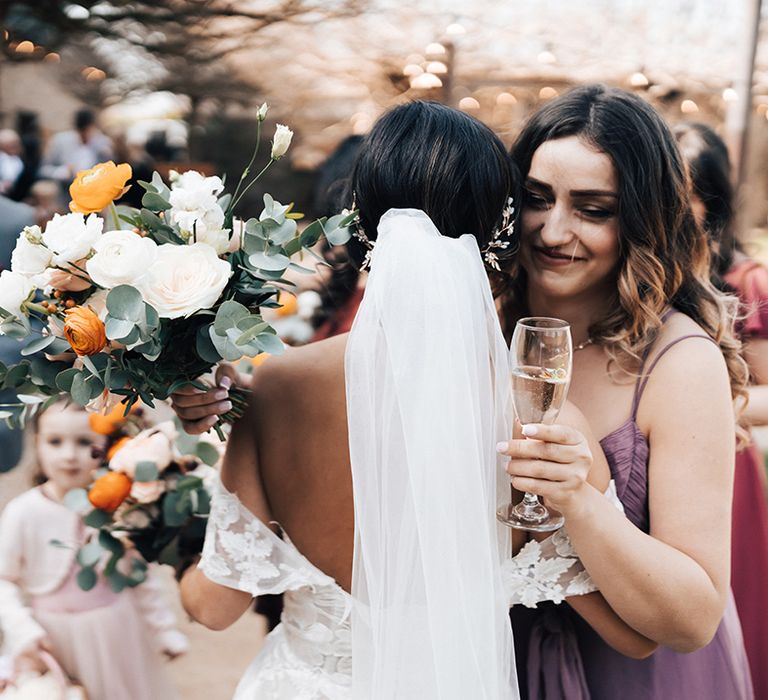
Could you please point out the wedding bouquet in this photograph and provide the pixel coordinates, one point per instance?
(138, 311)
(148, 499)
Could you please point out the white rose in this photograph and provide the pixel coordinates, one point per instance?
(15, 289)
(122, 257)
(72, 236)
(30, 258)
(184, 279)
(208, 229)
(280, 141)
(193, 194)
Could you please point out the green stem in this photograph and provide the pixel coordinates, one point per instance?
(115, 217)
(248, 186)
(244, 175)
(32, 306)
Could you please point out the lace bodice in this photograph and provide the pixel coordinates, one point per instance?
(314, 639)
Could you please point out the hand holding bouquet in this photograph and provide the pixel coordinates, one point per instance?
(140, 310)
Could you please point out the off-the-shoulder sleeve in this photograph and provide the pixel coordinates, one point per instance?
(751, 283)
(549, 570)
(241, 552)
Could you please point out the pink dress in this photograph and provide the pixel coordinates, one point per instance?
(749, 547)
(106, 641)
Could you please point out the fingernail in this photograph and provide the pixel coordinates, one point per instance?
(220, 395)
(530, 430)
(226, 406)
(225, 382)
(502, 446)
(211, 421)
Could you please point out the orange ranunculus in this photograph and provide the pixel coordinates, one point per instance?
(112, 451)
(108, 422)
(84, 330)
(109, 491)
(289, 305)
(94, 189)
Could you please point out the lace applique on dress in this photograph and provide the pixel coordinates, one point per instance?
(241, 552)
(550, 569)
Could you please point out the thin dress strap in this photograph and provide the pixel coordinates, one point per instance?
(642, 380)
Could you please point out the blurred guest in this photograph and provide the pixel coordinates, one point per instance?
(343, 285)
(28, 128)
(11, 164)
(81, 148)
(14, 216)
(710, 172)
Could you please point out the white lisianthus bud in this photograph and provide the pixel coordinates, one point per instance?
(15, 290)
(281, 141)
(261, 115)
(29, 257)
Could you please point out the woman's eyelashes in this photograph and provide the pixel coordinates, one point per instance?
(542, 202)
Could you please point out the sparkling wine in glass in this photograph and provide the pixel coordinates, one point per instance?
(540, 364)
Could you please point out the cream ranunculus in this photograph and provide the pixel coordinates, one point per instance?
(184, 279)
(152, 445)
(195, 209)
(147, 491)
(72, 236)
(29, 257)
(15, 289)
(122, 257)
(208, 229)
(281, 141)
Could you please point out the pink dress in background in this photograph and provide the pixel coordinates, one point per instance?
(749, 549)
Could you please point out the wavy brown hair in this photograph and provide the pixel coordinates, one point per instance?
(664, 254)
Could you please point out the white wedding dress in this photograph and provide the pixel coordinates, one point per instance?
(308, 656)
(427, 382)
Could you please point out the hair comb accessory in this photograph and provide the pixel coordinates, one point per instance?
(501, 237)
(358, 232)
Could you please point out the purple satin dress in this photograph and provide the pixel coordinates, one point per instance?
(560, 657)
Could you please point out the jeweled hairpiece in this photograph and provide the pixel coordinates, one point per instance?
(499, 241)
(501, 237)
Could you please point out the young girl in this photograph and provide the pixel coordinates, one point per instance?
(609, 243)
(108, 642)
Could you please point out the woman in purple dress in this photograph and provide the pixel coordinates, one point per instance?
(712, 200)
(609, 243)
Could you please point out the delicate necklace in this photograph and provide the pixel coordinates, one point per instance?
(581, 346)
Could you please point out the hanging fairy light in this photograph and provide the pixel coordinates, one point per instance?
(547, 93)
(435, 49)
(437, 67)
(506, 99)
(638, 80)
(547, 58)
(426, 81)
(730, 95)
(689, 107)
(25, 47)
(455, 29)
(412, 70)
(52, 57)
(468, 103)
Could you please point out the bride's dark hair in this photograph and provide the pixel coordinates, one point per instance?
(424, 155)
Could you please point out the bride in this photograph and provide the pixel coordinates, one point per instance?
(363, 480)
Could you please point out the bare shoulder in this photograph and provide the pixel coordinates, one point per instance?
(300, 364)
(682, 341)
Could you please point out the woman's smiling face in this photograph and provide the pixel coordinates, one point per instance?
(570, 226)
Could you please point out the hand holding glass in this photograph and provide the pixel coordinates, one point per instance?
(540, 364)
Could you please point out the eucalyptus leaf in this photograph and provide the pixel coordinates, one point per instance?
(171, 515)
(80, 391)
(66, 378)
(311, 234)
(280, 233)
(125, 302)
(204, 345)
(229, 313)
(77, 500)
(207, 452)
(16, 375)
(86, 578)
(118, 328)
(271, 343)
(38, 344)
(272, 263)
(111, 543)
(203, 502)
(225, 347)
(155, 202)
(90, 554)
(146, 471)
(97, 518)
(117, 582)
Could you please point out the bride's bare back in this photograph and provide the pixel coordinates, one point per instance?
(288, 458)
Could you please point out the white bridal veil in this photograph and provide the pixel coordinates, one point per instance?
(427, 400)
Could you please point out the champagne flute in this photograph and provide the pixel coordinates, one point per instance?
(540, 364)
